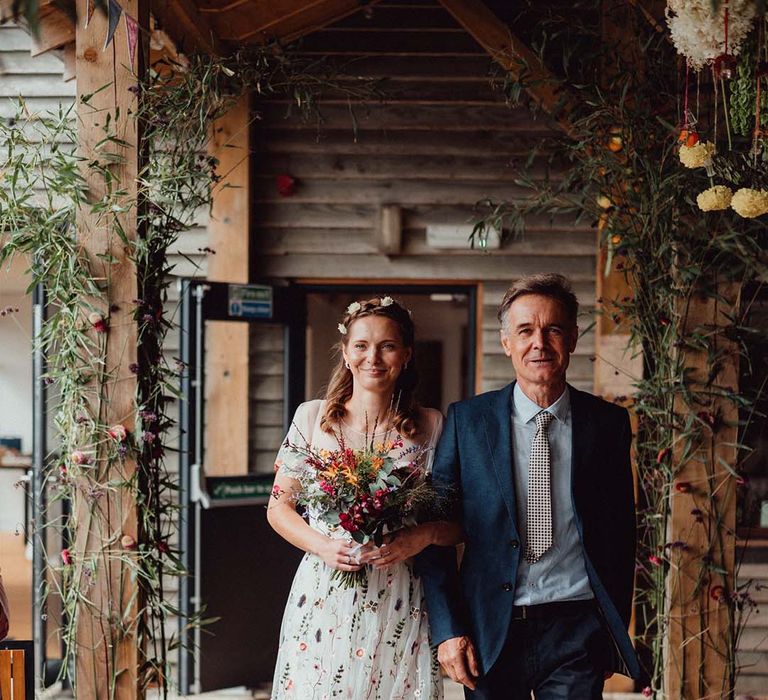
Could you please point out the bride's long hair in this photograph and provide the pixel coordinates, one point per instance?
(405, 408)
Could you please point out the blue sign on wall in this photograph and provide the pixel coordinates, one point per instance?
(250, 301)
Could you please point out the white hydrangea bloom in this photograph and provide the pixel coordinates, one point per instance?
(342, 329)
(387, 301)
(699, 34)
(354, 307)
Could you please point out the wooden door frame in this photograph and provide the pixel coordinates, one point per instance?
(473, 289)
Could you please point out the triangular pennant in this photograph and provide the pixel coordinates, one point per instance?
(90, 7)
(114, 10)
(132, 32)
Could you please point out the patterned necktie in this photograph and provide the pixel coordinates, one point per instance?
(539, 515)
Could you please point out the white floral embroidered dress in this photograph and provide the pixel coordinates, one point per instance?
(369, 642)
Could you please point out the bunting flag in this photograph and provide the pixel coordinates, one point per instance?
(132, 32)
(90, 7)
(114, 10)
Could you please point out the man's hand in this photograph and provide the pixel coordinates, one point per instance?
(457, 657)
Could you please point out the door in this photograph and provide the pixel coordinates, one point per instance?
(240, 570)
(445, 319)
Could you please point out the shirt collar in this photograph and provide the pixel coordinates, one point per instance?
(525, 409)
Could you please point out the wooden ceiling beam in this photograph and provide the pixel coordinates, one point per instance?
(514, 56)
(55, 28)
(187, 26)
(293, 20)
(9, 12)
(653, 15)
(69, 58)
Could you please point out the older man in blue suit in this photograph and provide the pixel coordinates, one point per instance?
(539, 475)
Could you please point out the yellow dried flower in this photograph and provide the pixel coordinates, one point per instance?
(715, 198)
(604, 202)
(697, 156)
(750, 203)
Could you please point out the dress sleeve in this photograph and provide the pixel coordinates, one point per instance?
(433, 429)
(288, 462)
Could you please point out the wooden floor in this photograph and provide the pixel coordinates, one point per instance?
(16, 571)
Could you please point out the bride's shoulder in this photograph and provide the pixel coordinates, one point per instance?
(314, 405)
(430, 420)
(309, 410)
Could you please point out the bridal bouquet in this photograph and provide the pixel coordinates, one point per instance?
(366, 492)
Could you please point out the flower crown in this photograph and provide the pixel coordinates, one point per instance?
(355, 306)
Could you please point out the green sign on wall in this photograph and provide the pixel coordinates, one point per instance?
(248, 486)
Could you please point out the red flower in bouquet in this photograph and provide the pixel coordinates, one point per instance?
(365, 492)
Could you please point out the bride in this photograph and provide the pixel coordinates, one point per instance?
(371, 640)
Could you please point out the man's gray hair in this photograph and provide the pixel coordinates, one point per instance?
(546, 284)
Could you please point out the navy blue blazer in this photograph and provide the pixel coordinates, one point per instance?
(473, 464)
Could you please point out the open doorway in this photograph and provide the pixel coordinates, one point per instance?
(445, 337)
(289, 359)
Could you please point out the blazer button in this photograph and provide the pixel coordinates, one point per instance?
(507, 586)
(514, 544)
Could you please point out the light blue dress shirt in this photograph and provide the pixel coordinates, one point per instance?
(560, 573)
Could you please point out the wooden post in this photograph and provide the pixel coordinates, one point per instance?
(701, 576)
(616, 369)
(617, 366)
(106, 632)
(227, 348)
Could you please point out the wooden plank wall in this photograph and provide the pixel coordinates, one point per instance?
(38, 80)
(443, 140)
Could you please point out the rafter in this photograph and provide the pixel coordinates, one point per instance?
(187, 26)
(654, 16)
(54, 25)
(514, 56)
(285, 21)
(69, 57)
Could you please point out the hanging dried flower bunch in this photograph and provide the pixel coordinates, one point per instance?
(699, 32)
(715, 198)
(698, 155)
(750, 203)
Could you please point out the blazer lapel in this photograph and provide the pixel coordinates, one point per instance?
(498, 433)
(583, 443)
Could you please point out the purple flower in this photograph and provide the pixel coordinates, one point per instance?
(698, 514)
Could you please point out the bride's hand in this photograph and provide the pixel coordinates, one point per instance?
(340, 555)
(399, 546)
